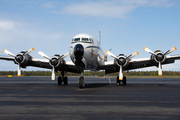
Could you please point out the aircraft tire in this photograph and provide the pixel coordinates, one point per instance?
(124, 80)
(81, 82)
(118, 81)
(59, 80)
(65, 81)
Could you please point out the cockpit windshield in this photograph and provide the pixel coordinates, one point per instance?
(85, 39)
(89, 40)
(76, 39)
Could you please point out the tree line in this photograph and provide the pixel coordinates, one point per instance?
(91, 73)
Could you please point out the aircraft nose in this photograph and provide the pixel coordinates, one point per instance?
(78, 51)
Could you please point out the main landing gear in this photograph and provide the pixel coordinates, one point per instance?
(62, 79)
(119, 81)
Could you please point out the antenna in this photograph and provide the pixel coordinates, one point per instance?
(99, 37)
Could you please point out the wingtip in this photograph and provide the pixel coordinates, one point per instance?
(160, 74)
(106, 51)
(144, 48)
(32, 48)
(175, 48)
(4, 50)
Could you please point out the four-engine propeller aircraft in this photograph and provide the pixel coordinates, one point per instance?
(86, 54)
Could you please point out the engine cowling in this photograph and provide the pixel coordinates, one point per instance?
(122, 60)
(22, 59)
(57, 62)
(159, 56)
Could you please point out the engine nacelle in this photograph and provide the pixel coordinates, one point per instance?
(56, 62)
(22, 59)
(158, 57)
(122, 61)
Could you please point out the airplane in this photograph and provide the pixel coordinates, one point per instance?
(86, 54)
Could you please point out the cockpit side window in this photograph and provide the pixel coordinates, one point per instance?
(91, 40)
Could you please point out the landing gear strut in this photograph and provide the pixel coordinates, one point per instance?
(62, 79)
(119, 81)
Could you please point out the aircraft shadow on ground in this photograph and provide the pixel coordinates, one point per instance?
(96, 85)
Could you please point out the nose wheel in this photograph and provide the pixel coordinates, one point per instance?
(119, 81)
(81, 82)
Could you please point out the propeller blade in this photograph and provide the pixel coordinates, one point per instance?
(53, 74)
(65, 55)
(44, 55)
(19, 70)
(29, 51)
(160, 69)
(120, 73)
(171, 50)
(149, 51)
(9, 53)
(110, 54)
(133, 55)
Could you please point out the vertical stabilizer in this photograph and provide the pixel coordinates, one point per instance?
(99, 37)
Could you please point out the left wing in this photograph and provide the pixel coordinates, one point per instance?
(122, 62)
(111, 66)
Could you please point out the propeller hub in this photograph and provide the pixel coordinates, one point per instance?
(54, 62)
(121, 61)
(160, 57)
(19, 58)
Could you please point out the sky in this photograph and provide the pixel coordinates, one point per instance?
(126, 26)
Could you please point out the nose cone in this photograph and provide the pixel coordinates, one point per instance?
(78, 51)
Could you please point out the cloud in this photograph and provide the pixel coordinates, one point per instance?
(115, 9)
(17, 36)
(9, 25)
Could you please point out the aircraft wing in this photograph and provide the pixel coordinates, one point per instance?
(68, 66)
(44, 63)
(111, 66)
(7, 58)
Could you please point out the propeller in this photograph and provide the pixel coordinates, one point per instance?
(121, 61)
(18, 58)
(160, 57)
(53, 61)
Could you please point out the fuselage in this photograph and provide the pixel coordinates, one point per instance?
(85, 52)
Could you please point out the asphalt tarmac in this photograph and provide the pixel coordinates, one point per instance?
(40, 98)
